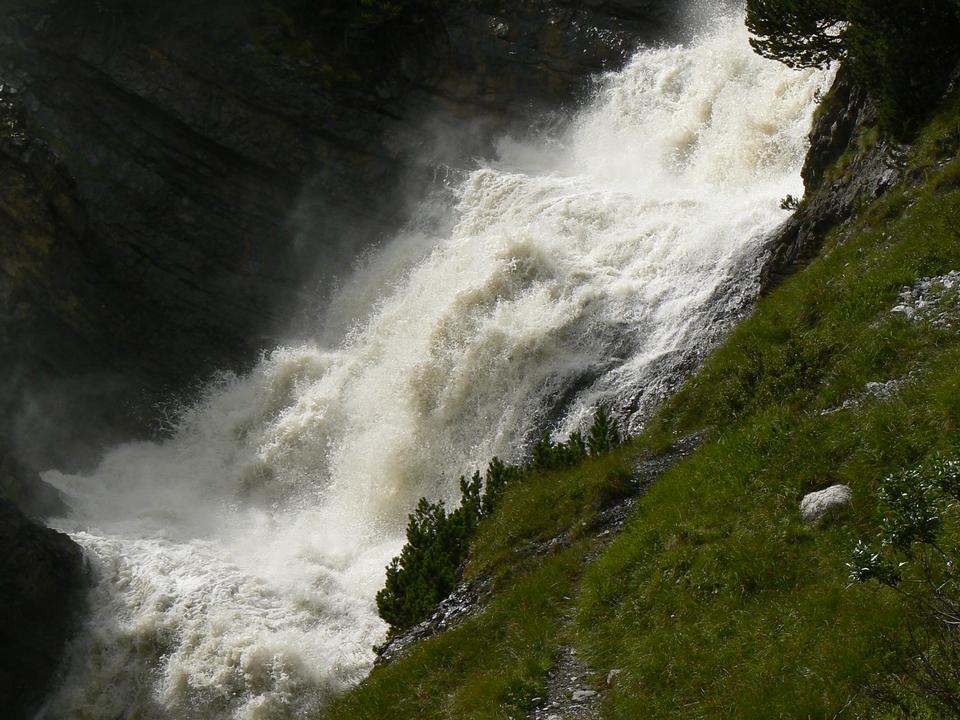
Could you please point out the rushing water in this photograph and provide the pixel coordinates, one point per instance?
(238, 560)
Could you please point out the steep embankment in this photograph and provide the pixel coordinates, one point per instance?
(716, 600)
(239, 559)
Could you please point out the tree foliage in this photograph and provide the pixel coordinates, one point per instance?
(911, 556)
(550, 455)
(604, 435)
(800, 33)
(902, 51)
(438, 541)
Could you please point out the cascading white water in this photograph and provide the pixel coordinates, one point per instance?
(238, 561)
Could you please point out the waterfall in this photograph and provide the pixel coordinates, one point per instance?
(237, 561)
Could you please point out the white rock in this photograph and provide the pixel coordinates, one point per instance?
(612, 676)
(817, 505)
(581, 695)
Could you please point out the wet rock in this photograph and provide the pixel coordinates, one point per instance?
(42, 580)
(467, 599)
(25, 489)
(842, 116)
(834, 190)
(817, 506)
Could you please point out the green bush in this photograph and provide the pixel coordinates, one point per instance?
(426, 570)
(902, 51)
(548, 455)
(429, 565)
(911, 557)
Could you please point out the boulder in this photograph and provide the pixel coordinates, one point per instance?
(825, 503)
(42, 581)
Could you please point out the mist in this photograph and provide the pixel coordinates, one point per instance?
(238, 559)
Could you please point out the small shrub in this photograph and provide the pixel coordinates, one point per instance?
(909, 556)
(427, 568)
(548, 455)
(429, 565)
(604, 435)
(789, 203)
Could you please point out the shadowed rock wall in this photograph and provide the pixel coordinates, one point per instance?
(42, 579)
(179, 176)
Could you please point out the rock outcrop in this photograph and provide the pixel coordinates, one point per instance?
(845, 168)
(932, 299)
(42, 579)
(178, 176)
(24, 488)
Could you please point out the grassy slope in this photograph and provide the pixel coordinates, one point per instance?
(716, 601)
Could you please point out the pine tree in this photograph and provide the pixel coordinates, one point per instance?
(496, 479)
(902, 51)
(799, 33)
(603, 435)
(438, 542)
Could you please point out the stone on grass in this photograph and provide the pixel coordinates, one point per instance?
(825, 503)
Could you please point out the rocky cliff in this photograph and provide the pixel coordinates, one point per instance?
(178, 176)
(42, 578)
(849, 164)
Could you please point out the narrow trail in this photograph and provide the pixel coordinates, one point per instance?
(574, 690)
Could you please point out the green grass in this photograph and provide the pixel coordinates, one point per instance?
(554, 504)
(716, 601)
(492, 666)
(495, 664)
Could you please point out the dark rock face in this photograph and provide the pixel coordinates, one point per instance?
(42, 579)
(842, 172)
(178, 176)
(27, 491)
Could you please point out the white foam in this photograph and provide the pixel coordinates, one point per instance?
(238, 561)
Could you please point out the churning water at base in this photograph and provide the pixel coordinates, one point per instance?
(238, 561)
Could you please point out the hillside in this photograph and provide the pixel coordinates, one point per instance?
(715, 600)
